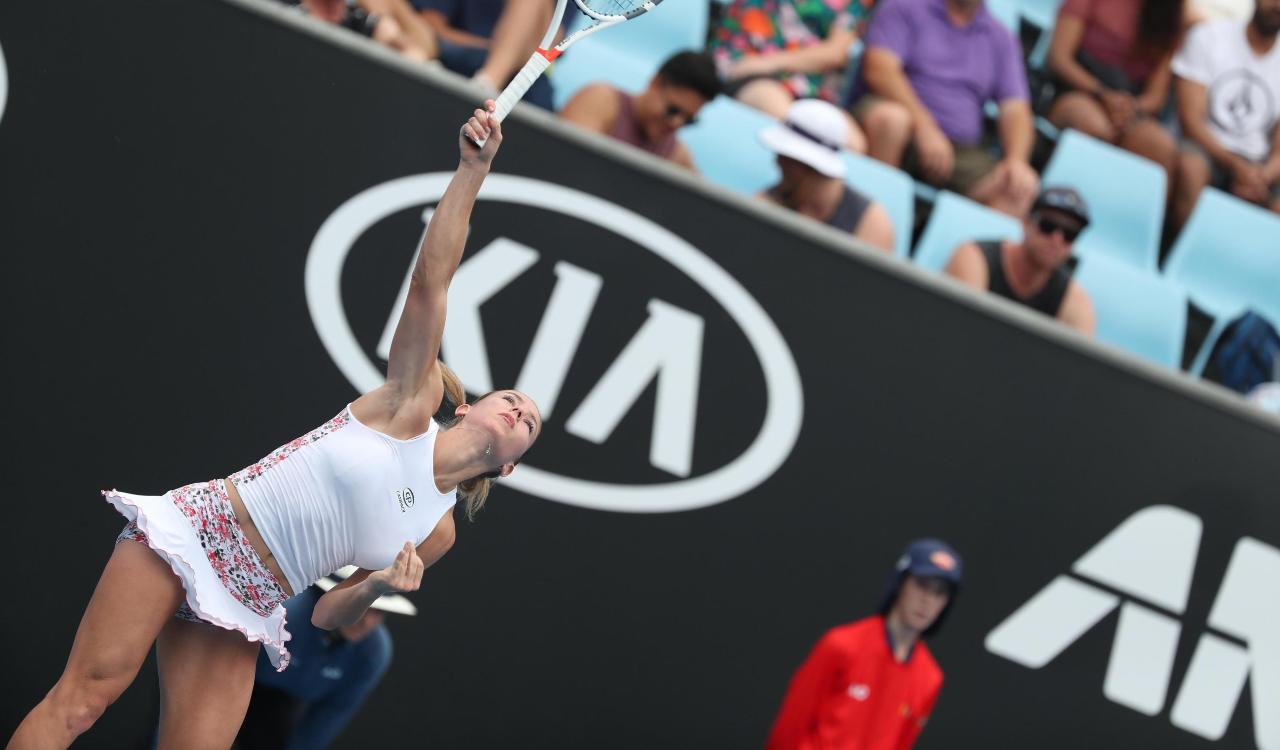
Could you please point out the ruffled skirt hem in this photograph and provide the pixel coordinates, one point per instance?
(171, 536)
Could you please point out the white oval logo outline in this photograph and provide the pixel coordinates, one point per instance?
(4, 83)
(784, 407)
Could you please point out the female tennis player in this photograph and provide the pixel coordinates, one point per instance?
(373, 487)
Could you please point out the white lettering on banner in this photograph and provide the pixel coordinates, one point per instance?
(559, 335)
(4, 83)
(1151, 557)
(667, 347)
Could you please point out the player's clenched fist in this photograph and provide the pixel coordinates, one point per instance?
(402, 576)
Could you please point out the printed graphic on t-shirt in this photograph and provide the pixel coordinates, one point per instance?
(1241, 103)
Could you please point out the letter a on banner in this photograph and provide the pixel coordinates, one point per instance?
(1151, 556)
(1248, 608)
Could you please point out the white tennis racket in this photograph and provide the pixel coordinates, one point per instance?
(604, 13)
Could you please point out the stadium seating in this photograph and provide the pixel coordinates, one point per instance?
(1227, 259)
(1006, 12)
(1139, 312)
(1042, 14)
(726, 149)
(956, 220)
(892, 188)
(628, 55)
(1126, 196)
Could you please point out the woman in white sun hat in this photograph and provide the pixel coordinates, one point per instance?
(808, 144)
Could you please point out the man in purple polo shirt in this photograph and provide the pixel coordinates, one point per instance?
(929, 69)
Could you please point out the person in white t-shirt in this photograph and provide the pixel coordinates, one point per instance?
(1221, 10)
(1229, 104)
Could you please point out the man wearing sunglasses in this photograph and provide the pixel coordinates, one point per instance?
(649, 120)
(1033, 271)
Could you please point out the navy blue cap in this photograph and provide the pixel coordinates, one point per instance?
(925, 558)
(1066, 200)
(931, 558)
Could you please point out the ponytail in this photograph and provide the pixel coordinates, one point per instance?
(453, 389)
(474, 491)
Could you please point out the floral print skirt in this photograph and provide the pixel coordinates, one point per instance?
(194, 529)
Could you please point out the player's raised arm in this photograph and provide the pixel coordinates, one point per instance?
(411, 367)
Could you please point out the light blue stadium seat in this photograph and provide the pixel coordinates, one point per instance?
(1006, 12)
(629, 54)
(956, 220)
(1137, 311)
(1040, 13)
(1126, 196)
(586, 63)
(892, 188)
(1043, 14)
(1228, 259)
(726, 149)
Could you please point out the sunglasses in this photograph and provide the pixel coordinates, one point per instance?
(672, 111)
(1049, 226)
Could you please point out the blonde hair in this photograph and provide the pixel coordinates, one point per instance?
(474, 491)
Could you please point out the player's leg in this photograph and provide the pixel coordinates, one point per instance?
(206, 679)
(136, 595)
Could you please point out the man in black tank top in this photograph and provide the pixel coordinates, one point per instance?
(1033, 272)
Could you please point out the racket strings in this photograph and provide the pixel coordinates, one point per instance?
(613, 7)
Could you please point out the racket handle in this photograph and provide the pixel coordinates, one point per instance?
(538, 63)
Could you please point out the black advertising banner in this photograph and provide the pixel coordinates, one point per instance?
(208, 216)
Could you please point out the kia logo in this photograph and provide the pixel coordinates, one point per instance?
(666, 348)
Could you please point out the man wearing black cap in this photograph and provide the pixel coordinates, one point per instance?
(1033, 272)
(871, 684)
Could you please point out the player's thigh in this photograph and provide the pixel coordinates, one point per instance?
(136, 595)
(206, 679)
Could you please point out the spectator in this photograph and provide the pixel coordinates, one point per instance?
(306, 706)
(930, 68)
(773, 52)
(1229, 105)
(389, 22)
(871, 684)
(1033, 272)
(1110, 59)
(490, 40)
(808, 148)
(649, 120)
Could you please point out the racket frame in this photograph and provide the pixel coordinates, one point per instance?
(543, 56)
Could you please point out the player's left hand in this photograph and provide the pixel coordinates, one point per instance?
(402, 576)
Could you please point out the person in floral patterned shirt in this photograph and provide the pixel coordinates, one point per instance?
(772, 52)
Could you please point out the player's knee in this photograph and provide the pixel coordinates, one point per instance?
(80, 702)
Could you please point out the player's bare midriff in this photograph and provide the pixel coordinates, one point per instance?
(251, 533)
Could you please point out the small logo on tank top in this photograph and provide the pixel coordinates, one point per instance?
(405, 498)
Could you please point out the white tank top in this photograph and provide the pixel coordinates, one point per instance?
(343, 494)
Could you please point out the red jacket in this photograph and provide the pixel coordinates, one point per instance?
(852, 694)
